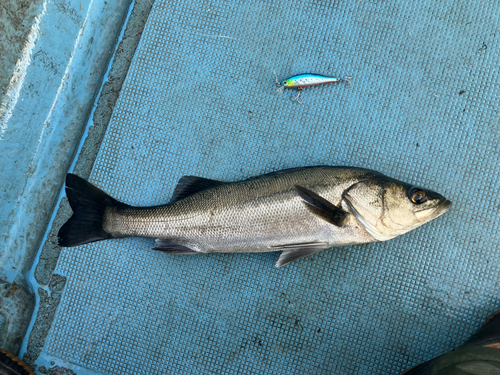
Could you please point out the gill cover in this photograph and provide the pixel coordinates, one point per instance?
(365, 201)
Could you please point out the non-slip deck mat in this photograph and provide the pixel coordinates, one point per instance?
(199, 99)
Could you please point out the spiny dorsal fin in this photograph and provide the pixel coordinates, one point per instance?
(189, 185)
(321, 207)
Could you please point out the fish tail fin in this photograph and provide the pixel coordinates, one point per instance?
(89, 205)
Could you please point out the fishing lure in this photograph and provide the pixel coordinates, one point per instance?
(306, 80)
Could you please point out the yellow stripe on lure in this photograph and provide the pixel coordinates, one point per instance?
(306, 80)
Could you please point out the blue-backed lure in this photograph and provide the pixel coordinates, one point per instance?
(306, 80)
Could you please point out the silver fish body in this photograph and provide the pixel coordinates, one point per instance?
(299, 212)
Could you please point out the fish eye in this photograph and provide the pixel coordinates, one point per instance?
(417, 196)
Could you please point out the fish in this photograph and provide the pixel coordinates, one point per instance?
(306, 80)
(299, 211)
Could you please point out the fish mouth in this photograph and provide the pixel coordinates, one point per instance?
(432, 213)
(442, 208)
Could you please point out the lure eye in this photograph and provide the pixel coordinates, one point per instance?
(417, 196)
(284, 82)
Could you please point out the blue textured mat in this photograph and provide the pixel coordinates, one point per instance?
(199, 99)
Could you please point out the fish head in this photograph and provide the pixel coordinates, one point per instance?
(387, 208)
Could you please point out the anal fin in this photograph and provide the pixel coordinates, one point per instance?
(173, 248)
(295, 252)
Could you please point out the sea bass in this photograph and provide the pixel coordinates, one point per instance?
(298, 211)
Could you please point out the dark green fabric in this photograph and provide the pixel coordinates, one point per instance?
(466, 361)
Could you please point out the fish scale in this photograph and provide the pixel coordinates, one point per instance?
(268, 206)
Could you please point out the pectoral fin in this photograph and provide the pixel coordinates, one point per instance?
(297, 251)
(321, 207)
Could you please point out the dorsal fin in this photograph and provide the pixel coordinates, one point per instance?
(189, 185)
